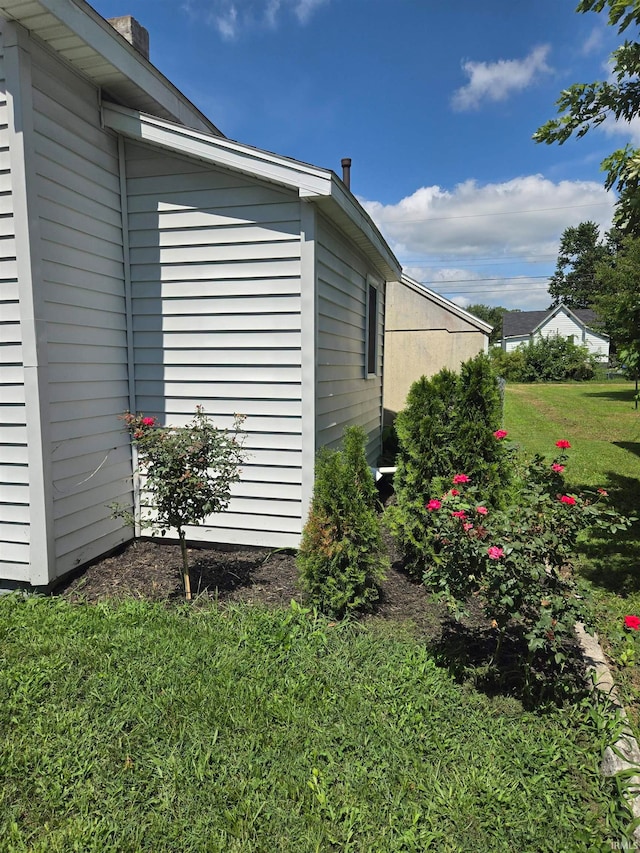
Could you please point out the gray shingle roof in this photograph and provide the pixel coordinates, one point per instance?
(516, 323)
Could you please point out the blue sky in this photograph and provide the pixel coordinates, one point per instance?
(434, 102)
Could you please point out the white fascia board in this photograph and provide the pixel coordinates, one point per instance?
(552, 313)
(352, 208)
(446, 303)
(219, 151)
(99, 36)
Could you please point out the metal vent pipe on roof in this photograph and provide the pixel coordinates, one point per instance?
(346, 172)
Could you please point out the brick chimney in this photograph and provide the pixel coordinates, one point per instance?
(134, 33)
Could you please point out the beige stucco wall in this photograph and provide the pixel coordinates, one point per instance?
(421, 337)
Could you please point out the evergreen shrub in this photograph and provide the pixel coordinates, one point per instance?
(449, 425)
(342, 559)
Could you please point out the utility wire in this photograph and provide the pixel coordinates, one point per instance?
(501, 213)
(513, 279)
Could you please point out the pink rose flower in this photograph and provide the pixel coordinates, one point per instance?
(148, 421)
(495, 553)
(567, 499)
(632, 622)
(460, 513)
(460, 478)
(563, 444)
(482, 510)
(500, 433)
(467, 526)
(557, 468)
(433, 504)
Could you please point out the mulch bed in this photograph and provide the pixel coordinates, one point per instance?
(151, 569)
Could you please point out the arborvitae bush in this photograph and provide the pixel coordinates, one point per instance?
(448, 427)
(342, 559)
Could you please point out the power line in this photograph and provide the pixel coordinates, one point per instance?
(502, 213)
(513, 278)
(481, 290)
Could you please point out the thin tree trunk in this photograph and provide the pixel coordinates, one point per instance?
(186, 577)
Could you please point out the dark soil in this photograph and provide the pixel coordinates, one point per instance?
(152, 570)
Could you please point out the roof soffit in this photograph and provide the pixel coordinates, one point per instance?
(84, 39)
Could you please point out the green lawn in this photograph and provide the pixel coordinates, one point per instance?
(603, 427)
(141, 728)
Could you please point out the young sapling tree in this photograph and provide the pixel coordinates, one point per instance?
(188, 473)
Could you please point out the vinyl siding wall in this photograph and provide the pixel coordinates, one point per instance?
(215, 272)
(344, 395)
(14, 472)
(82, 270)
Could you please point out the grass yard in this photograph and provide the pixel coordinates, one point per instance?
(141, 727)
(600, 421)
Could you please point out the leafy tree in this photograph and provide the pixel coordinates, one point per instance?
(586, 105)
(619, 303)
(491, 314)
(574, 282)
(189, 473)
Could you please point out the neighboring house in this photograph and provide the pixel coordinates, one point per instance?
(578, 324)
(424, 332)
(150, 264)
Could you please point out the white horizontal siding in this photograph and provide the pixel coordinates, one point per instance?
(597, 344)
(344, 397)
(80, 228)
(515, 342)
(215, 272)
(14, 472)
(563, 325)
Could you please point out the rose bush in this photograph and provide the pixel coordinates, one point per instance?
(516, 560)
(188, 473)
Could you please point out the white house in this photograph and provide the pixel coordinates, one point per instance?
(520, 327)
(150, 264)
(424, 332)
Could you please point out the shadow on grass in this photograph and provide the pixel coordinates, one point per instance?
(612, 560)
(623, 395)
(468, 652)
(631, 446)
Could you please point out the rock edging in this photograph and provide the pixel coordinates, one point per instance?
(624, 755)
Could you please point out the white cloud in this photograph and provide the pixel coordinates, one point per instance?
(489, 237)
(231, 17)
(495, 81)
(593, 44)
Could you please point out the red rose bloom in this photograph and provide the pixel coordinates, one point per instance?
(563, 444)
(148, 421)
(460, 478)
(500, 433)
(632, 622)
(433, 504)
(567, 499)
(459, 514)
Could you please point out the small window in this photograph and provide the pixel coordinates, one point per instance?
(372, 330)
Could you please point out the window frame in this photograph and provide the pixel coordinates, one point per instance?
(371, 334)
